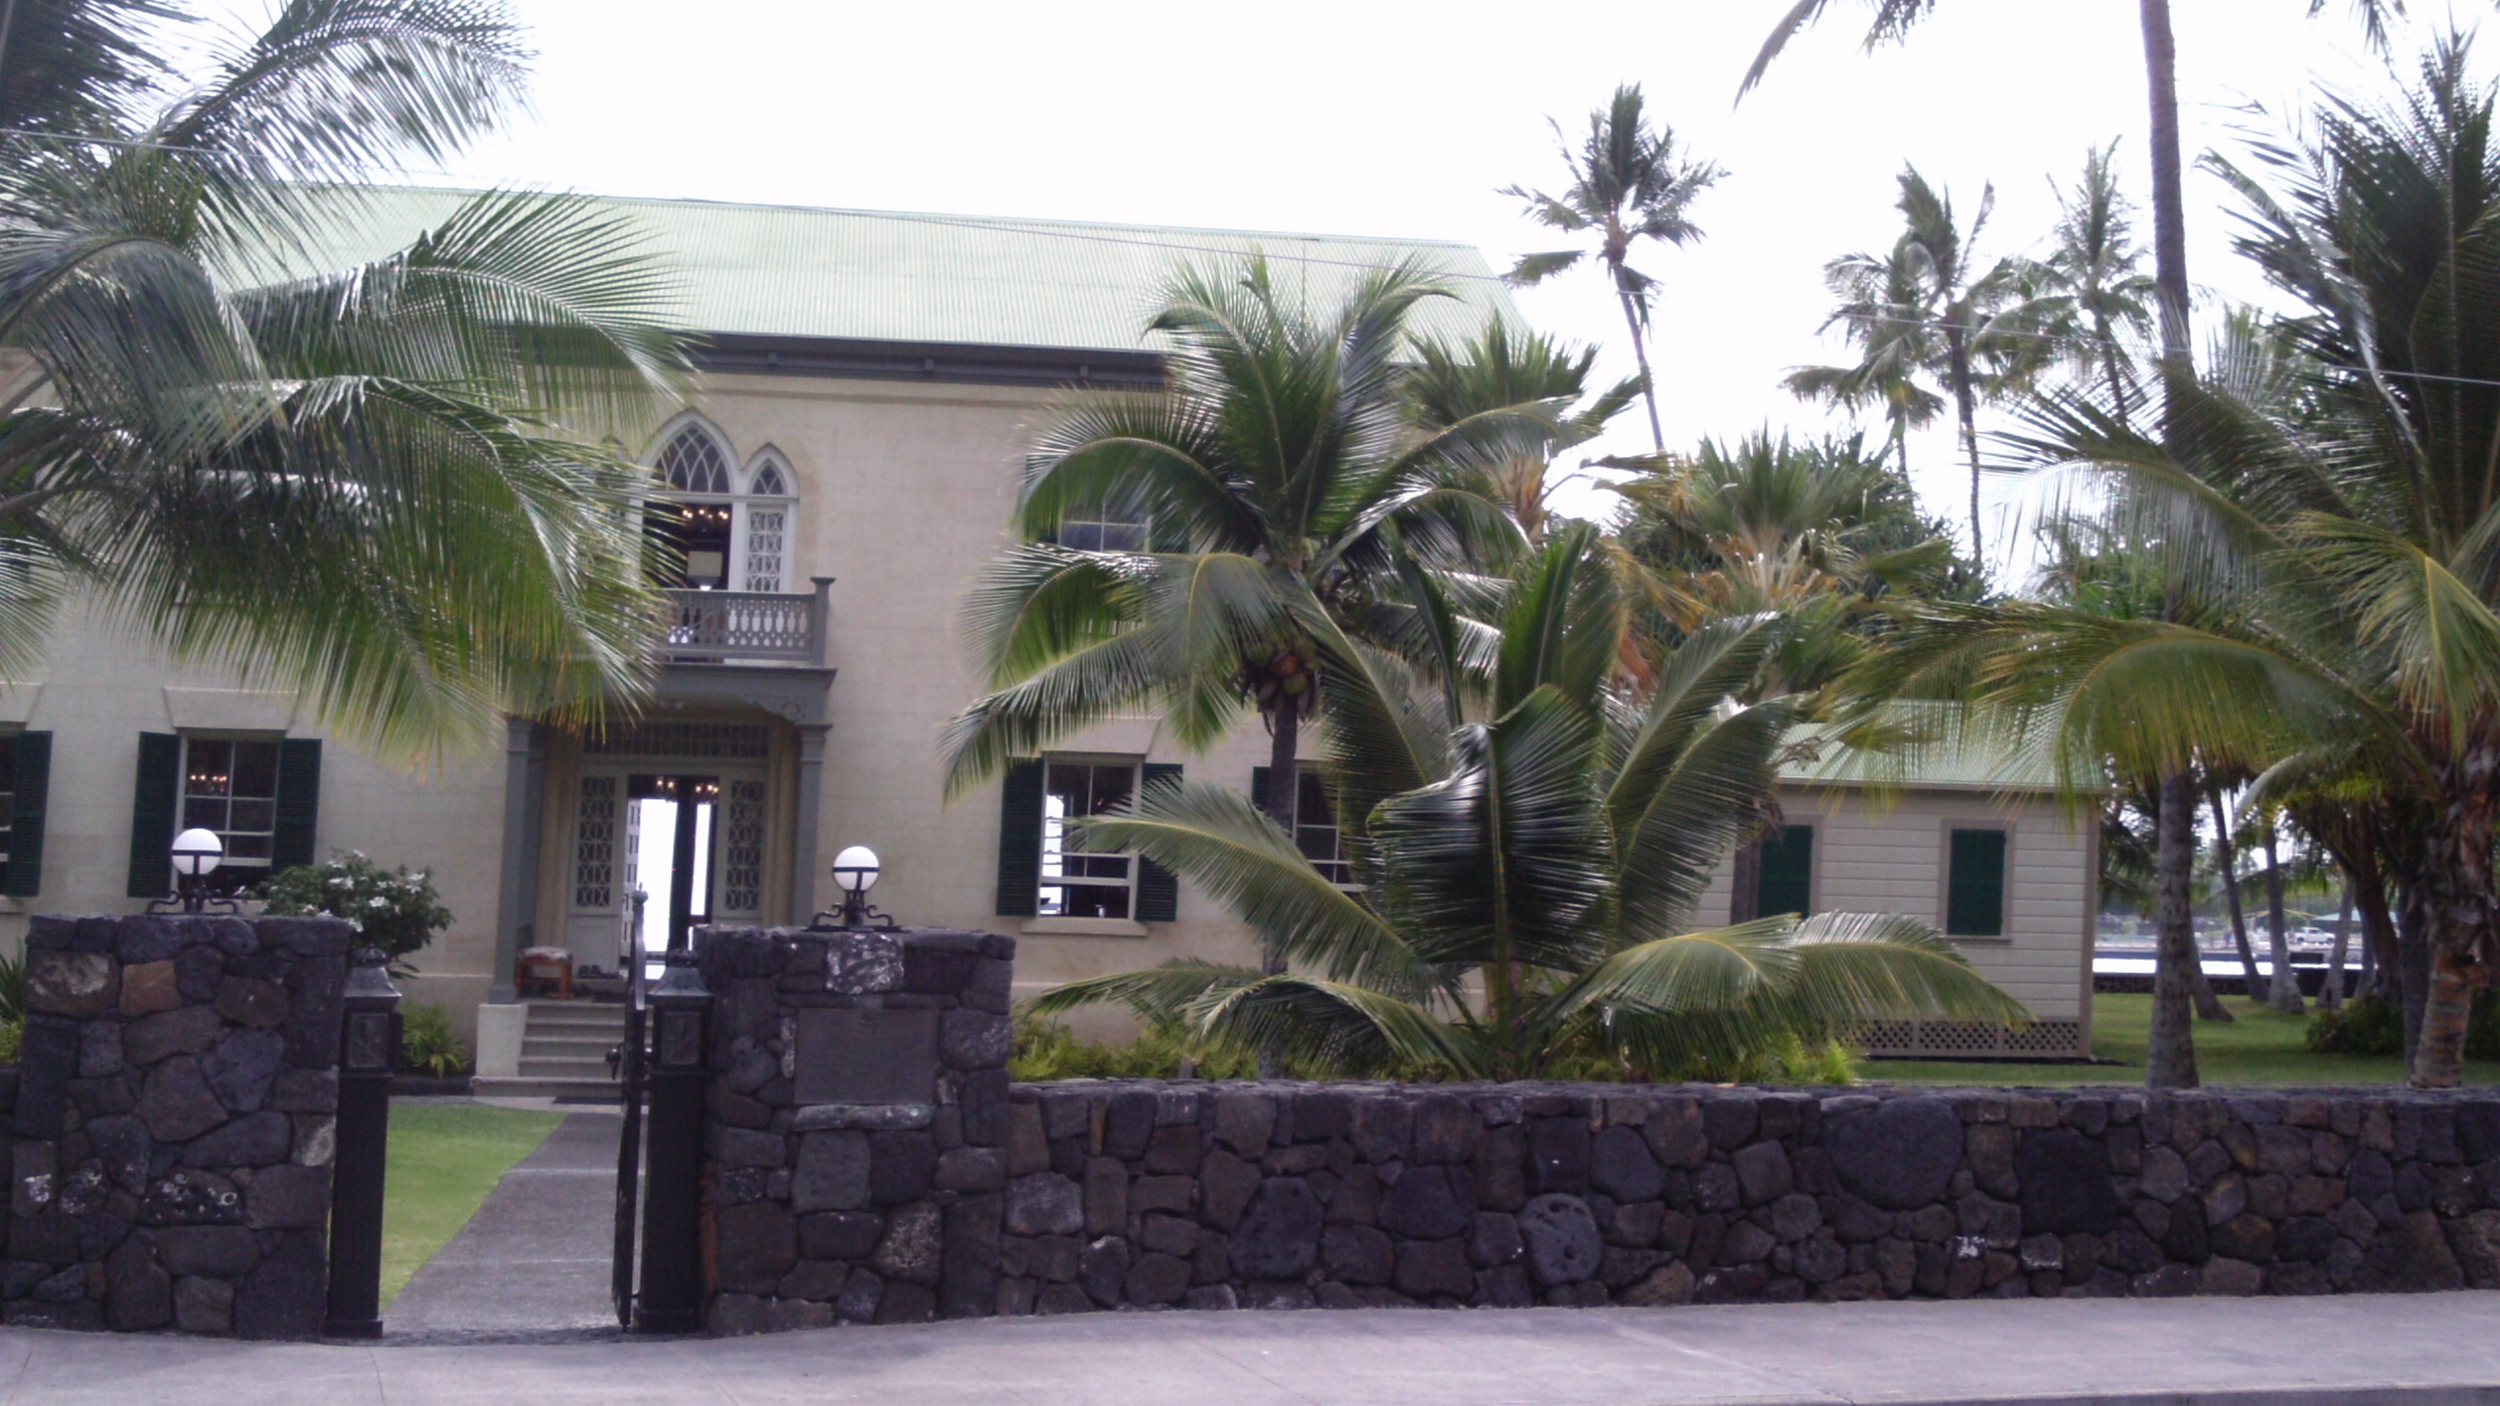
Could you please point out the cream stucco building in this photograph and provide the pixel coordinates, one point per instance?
(850, 459)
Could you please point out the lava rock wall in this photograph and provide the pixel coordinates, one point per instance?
(173, 1125)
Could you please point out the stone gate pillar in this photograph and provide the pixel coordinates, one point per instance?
(856, 1124)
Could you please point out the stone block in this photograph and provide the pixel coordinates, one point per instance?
(1900, 1153)
(204, 1306)
(1675, 1134)
(1383, 1128)
(2231, 1277)
(972, 1039)
(1501, 1172)
(1106, 1196)
(1045, 1203)
(177, 1103)
(1102, 1270)
(1244, 1121)
(148, 987)
(1763, 1172)
(832, 1172)
(1278, 1235)
(1666, 1286)
(1622, 1165)
(839, 1235)
(139, 1294)
(1558, 1156)
(253, 1002)
(901, 1167)
(288, 1198)
(1357, 1254)
(1435, 1268)
(2065, 1184)
(1226, 1185)
(285, 1295)
(242, 1066)
(1028, 1150)
(187, 1030)
(72, 984)
(1128, 1123)
(99, 1049)
(756, 1244)
(913, 1247)
(1561, 1239)
(1446, 1129)
(1156, 1280)
(745, 1147)
(254, 1140)
(1424, 1205)
(1169, 1235)
(977, 1170)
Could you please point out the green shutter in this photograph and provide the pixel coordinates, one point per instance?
(1975, 885)
(299, 803)
(152, 802)
(22, 876)
(1258, 789)
(1158, 888)
(1785, 877)
(1020, 841)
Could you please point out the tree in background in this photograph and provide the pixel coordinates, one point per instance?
(1930, 306)
(1503, 368)
(2172, 1058)
(347, 483)
(1282, 466)
(1554, 853)
(1628, 183)
(2103, 300)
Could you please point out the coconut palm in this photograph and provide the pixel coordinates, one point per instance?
(1894, 350)
(344, 482)
(1931, 306)
(1501, 368)
(1305, 512)
(1531, 881)
(1628, 183)
(2104, 298)
(1891, 21)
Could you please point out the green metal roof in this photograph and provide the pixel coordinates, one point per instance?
(1944, 761)
(886, 276)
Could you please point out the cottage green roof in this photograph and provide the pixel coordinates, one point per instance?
(781, 271)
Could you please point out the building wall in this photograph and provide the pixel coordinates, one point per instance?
(904, 490)
(1887, 855)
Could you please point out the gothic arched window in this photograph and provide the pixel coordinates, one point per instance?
(765, 529)
(733, 529)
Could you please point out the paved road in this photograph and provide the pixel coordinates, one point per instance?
(534, 1259)
(2418, 1351)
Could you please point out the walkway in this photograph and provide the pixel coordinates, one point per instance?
(534, 1260)
(2180, 1352)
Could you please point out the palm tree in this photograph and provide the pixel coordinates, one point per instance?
(1628, 183)
(1930, 306)
(1502, 368)
(2324, 495)
(1891, 21)
(1553, 855)
(1304, 509)
(348, 482)
(2095, 273)
(1893, 350)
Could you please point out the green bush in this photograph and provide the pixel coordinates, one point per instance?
(13, 990)
(2367, 1025)
(396, 911)
(12, 1040)
(428, 1045)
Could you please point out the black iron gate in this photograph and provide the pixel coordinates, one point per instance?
(656, 1279)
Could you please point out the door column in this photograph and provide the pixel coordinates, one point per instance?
(803, 855)
(524, 796)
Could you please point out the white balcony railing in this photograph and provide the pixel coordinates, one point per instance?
(748, 627)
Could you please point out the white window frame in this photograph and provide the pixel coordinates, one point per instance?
(233, 864)
(1336, 831)
(739, 571)
(1054, 839)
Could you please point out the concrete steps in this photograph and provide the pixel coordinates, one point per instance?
(564, 1053)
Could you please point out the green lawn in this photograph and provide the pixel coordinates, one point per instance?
(2260, 1047)
(445, 1157)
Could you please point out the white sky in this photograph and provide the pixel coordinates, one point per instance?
(1359, 117)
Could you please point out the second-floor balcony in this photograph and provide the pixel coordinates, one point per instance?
(766, 629)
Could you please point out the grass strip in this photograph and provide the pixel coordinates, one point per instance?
(444, 1159)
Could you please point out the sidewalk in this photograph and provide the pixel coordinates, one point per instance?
(2440, 1348)
(536, 1257)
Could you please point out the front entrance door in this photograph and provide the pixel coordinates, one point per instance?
(691, 837)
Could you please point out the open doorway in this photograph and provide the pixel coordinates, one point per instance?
(671, 830)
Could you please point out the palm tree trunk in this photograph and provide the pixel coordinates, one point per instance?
(1640, 353)
(1966, 411)
(2283, 988)
(2227, 864)
(2170, 1059)
(1283, 787)
(2461, 904)
(2413, 959)
(2331, 990)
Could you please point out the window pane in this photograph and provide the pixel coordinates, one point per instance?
(203, 813)
(247, 847)
(1787, 872)
(1081, 536)
(1975, 884)
(256, 769)
(1112, 786)
(254, 815)
(1310, 801)
(1123, 537)
(211, 770)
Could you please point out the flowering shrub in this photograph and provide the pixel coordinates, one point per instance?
(396, 910)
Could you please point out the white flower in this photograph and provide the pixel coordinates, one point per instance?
(377, 901)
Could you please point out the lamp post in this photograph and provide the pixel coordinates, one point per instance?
(671, 1295)
(368, 1056)
(855, 872)
(197, 853)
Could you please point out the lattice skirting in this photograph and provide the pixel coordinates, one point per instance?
(1945, 1039)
